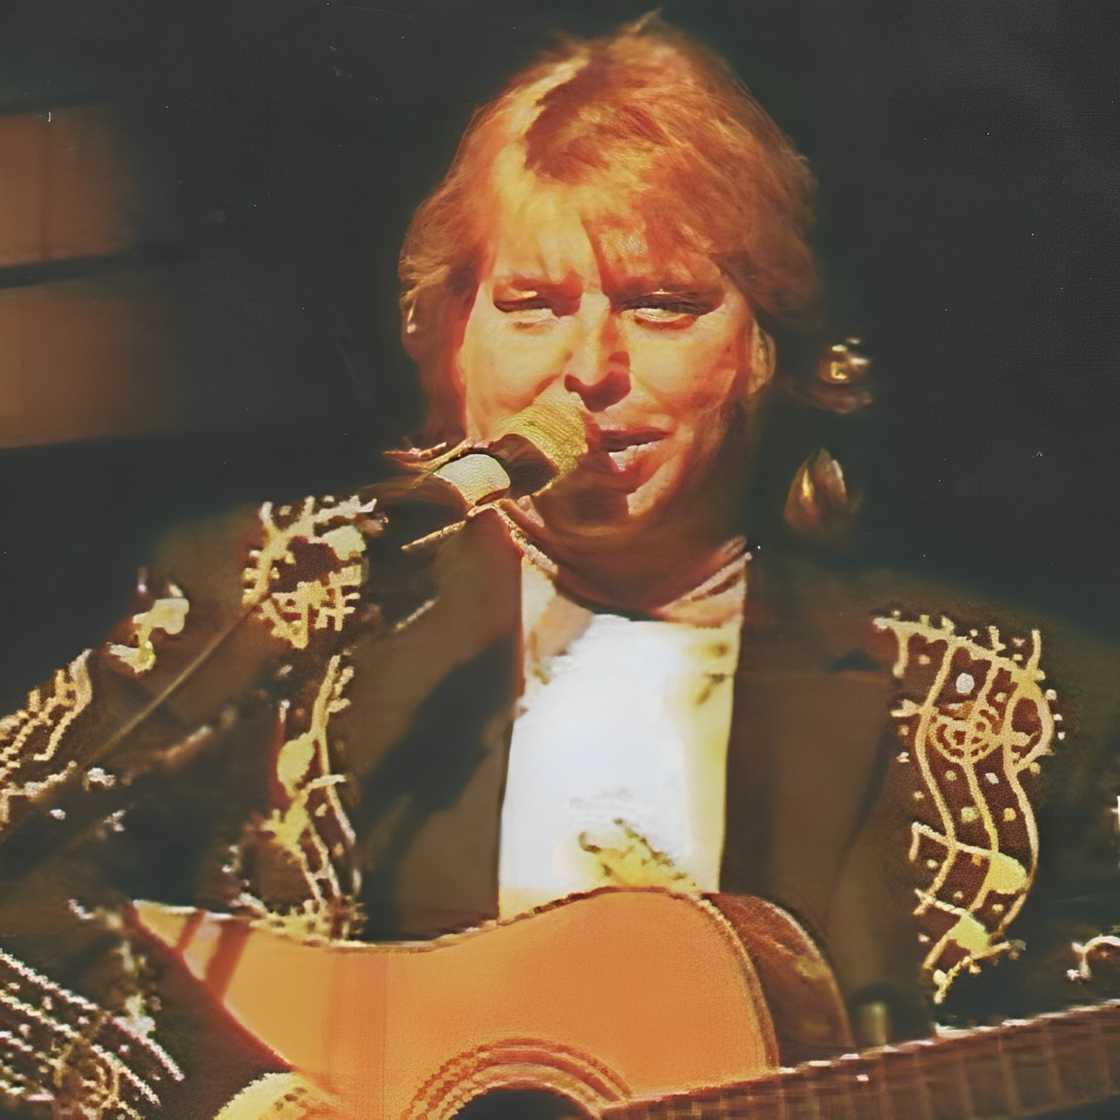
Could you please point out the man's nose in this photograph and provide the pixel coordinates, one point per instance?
(598, 368)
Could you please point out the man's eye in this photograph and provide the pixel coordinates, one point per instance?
(526, 311)
(663, 311)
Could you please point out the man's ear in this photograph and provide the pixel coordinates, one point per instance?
(410, 333)
(762, 359)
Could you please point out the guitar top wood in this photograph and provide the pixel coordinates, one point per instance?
(622, 1003)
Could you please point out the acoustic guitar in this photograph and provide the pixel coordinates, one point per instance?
(620, 1005)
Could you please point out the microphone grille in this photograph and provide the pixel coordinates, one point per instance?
(552, 430)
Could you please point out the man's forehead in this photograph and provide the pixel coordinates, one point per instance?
(555, 232)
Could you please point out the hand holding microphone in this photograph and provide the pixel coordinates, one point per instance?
(534, 449)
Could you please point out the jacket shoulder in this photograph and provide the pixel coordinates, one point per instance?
(1002, 754)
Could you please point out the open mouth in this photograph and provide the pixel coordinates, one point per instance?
(622, 455)
(620, 439)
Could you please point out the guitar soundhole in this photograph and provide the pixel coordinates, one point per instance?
(522, 1104)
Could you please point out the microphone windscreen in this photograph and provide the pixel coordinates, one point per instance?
(532, 449)
(539, 445)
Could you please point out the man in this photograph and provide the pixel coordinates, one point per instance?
(628, 678)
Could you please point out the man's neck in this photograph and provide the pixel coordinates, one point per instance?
(704, 586)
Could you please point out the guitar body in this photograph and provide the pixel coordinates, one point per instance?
(610, 996)
(615, 1005)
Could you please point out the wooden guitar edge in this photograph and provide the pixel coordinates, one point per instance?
(808, 1011)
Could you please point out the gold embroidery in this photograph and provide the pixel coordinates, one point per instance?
(981, 721)
(168, 615)
(345, 541)
(313, 605)
(1106, 945)
(34, 734)
(63, 1050)
(318, 603)
(313, 830)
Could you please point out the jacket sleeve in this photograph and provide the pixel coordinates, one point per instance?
(176, 760)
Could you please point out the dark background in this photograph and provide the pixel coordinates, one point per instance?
(968, 222)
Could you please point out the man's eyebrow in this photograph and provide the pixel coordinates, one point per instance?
(523, 282)
(634, 286)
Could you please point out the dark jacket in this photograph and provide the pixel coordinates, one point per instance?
(402, 672)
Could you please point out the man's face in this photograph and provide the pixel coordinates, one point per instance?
(653, 352)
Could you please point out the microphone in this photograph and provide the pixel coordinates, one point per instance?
(532, 450)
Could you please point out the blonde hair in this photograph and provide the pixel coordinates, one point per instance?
(656, 119)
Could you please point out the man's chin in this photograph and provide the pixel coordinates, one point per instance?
(605, 517)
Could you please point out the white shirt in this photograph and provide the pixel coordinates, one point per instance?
(617, 768)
